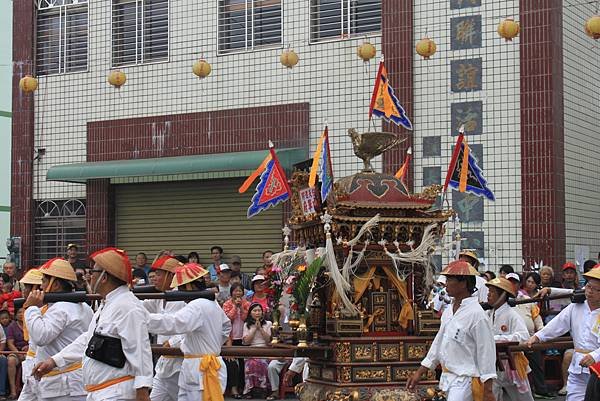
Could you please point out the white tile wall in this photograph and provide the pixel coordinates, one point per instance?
(581, 56)
(501, 121)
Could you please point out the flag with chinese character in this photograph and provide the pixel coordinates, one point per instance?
(384, 103)
(403, 172)
(322, 166)
(464, 174)
(272, 188)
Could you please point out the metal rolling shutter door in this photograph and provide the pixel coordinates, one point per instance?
(193, 216)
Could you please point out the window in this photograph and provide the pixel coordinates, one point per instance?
(249, 24)
(140, 31)
(335, 19)
(61, 36)
(58, 223)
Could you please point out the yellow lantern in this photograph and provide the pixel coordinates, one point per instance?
(366, 51)
(509, 29)
(28, 84)
(117, 78)
(426, 48)
(289, 58)
(202, 68)
(592, 27)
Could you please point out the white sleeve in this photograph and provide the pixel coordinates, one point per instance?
(183, 321)
(557, 326)
(226, 326)
(432, 358)
(485, 349)
(73, 352)
(560, 291)
(133, 331)
(517, 328)
(43, 329)
(150, 305)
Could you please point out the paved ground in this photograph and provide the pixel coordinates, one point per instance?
(232, 399)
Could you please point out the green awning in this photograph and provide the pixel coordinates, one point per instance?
(218, 162)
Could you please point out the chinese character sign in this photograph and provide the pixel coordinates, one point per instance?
(309, 201)
(465, 32)
(466, 75)
(469, 115)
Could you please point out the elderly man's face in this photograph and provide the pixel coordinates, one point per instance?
(9, 268)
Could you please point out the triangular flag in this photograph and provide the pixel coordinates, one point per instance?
(384, 103)
(466, 176)
(244, 187)
(403, 172)
(272, 188)
(321, 166)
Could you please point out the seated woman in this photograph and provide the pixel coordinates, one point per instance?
(257, 333)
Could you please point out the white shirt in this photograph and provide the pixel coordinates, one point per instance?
(583, 324)
(62, 323)
(508, 325)
(205, 327)
(166, 366)
(482, 289)
(464, 345)
(121, 316)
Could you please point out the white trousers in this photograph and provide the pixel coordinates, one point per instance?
(460, 390)
(165, 389)
(576, 384)
(30, 390)
(274, 370)
(189, 395)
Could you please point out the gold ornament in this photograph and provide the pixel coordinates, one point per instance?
(366, 51)
(509, 29)
(426, 48)
(117, 78)
(289, 58)
(592, 27)
(202, 68)
(28, 84)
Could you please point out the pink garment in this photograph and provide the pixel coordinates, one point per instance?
(237, 315)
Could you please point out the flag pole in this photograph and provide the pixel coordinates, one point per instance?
(374, 95)
(453, 160)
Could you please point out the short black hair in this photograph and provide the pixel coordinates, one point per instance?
(217, 247)
(589, 265)
(5, 277)
(193, 254)
(66, 285)
(143, 254)
(4, 312)
(491, 274)
(235, 286)
(470, 282)
(267, 251)
(506, 269)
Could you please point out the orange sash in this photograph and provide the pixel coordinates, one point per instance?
(70, 368)
(90, 388)
(209, 366)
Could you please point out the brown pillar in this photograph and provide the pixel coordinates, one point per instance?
(398, 48)
(100, 215)
(542, 132)
(22, 204)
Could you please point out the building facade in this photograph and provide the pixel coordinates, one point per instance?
(156, 163)
(5, 121)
